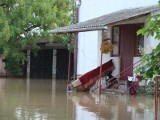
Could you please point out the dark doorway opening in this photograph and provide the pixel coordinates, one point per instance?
(62, 64)
(41, 64)
(128, 47)
(128, 36)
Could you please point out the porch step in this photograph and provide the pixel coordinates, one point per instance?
(112, 91)
(122, 82)
(122, 88)
(122, 85)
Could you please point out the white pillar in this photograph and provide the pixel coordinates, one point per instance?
(54, 63)
(28, 63)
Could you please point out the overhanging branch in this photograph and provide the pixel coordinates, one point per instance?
(3, 5)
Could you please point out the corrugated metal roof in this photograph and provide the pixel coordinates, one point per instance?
(100, 23)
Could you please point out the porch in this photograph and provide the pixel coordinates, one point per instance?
(126, 22)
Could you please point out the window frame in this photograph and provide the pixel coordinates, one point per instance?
(115, 42)
(136, 51)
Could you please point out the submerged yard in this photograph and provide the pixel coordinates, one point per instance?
(43, 99)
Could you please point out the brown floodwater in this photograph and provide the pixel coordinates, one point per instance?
(38, 99)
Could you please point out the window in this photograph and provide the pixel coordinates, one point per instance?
(139, 45)
(115, 40)
(139, 42)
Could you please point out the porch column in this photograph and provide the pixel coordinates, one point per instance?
(28, 63)
(54, 63)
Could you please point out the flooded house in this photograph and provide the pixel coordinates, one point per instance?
(51, 61)
(116, 22)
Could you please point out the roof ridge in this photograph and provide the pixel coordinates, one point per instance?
(101, 21)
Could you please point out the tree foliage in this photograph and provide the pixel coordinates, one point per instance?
(24, 22)
(151, 61)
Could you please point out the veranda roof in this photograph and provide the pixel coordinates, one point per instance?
(101, 22)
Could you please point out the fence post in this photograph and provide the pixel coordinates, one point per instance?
(156, 96)
(100, 76)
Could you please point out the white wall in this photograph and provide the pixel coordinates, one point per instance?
(88, 52)
(150, 42)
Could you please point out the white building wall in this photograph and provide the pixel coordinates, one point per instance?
(150, 42)
(88, 52)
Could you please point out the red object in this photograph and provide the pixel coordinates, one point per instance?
(132, 92)
(133, 88)
(135, 85)
(89, 78)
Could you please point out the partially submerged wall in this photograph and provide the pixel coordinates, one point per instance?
(89, 42)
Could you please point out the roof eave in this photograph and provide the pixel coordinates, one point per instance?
(78, 30)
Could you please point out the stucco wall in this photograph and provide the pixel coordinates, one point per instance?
(88, 52)
(150, 42)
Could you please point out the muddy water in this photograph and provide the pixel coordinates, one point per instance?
(47, 100)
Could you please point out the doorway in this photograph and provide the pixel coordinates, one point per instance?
(125, 46)
(127, 38)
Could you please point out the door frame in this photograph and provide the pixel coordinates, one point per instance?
(118, 43)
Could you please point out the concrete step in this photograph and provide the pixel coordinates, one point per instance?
(113, 91)
(122, 88)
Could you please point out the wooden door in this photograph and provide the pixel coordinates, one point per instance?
(127, 38)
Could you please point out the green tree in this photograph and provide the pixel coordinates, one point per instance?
(24, 22)
(151, 61)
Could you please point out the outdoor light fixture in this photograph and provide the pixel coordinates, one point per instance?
(78, 3)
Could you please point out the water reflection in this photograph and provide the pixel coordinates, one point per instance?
(113, 107)
(47, 100)
(2, 84)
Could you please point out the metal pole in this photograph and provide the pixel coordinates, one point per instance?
(156, 97)
(54, 62)
(69, 62)
(76, 44)
(100, 76)
(28, 63)
(75, 55)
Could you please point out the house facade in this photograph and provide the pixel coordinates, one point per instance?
(117, 22)
(121, 34)
(51, 62)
